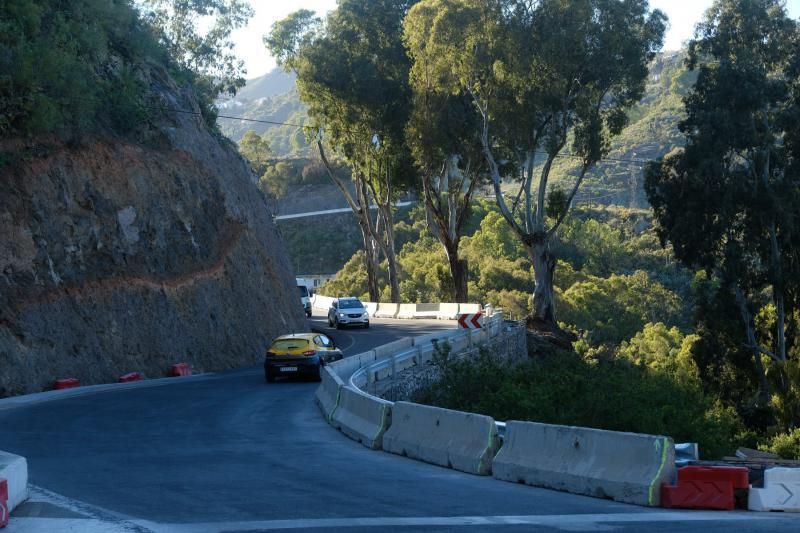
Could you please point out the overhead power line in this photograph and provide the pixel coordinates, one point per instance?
(640, 162)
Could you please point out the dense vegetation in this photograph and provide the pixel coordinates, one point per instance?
(79, 66)
(70, 67)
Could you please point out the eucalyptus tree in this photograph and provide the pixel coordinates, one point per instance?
(352, 73)
(444, 136)
(543, 75)
(728, 201)
(209, 54)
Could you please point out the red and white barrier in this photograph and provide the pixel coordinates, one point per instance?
(181, 369)
(705, 487)
(132, 376)
(781, 491)
(66, 383)
(3, 503)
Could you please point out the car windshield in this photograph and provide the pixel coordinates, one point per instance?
(349, 304)
(303, 290)
(289, 344)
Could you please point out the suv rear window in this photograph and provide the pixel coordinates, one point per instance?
(303, 290)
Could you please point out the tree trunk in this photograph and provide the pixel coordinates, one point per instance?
(459, 272)
(764, 388)
(544, 266)
(390, 253)
(370, 262)
(391, 259)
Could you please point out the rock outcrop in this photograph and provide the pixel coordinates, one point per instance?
(120, 255)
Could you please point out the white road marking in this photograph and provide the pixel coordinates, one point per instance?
(586, 522)
(98, 520)
(66, 525)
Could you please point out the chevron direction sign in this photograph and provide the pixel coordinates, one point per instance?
(470, 320)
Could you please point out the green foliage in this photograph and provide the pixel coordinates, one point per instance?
(209, 55)
(351, 280)
(727, 202)
(72, 67)
(613, 309)
(787, 445)
(256, 149)
(662, 349)
(565, 389)
(425, 271)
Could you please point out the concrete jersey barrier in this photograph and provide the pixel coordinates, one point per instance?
(626, 467)
(462, 441)
(321, 302)
(427, 311)
(14, 469)
(362, 418)
(406, 310)
(371, 307)
(469, 308)
(386, 310)
(329, 391)
(448, 311)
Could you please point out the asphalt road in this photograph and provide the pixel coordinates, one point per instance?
(227, 452)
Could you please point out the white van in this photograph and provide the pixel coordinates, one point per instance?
(305, 299)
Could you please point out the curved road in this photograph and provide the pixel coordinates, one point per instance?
(226, 452)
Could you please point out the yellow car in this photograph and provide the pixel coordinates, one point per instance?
(299, 354)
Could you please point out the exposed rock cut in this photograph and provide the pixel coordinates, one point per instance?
(119, 256)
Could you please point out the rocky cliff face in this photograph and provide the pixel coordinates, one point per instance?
(120, 256)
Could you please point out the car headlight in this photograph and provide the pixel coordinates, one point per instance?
(342, 315)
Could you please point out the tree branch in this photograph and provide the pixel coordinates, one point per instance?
(571, 196)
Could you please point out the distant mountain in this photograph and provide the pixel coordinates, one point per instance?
(271, 97)
(274, 82)
(651, 133)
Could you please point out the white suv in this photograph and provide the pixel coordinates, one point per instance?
(347, 312)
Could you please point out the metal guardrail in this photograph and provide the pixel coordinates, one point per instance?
(360, 377)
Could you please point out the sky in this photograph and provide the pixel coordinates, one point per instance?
(682, 14)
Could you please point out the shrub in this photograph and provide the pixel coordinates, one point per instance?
(787, 445)
(565, 389)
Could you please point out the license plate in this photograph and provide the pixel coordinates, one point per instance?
(288, 369)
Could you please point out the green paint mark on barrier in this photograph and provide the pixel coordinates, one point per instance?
(336, 405)
(384, 419)
(651, 495)
(489, 445)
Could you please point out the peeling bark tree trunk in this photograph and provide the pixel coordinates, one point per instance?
(389, 252)
(459, 270)
(360, 207)
(544, 266)
(370, 264)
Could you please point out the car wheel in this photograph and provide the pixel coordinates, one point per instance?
(308, 314)
(330, 322)
(269, 377)
(366, 325)
(338, 325)
(317, 376)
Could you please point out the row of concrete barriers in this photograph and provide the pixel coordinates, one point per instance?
(626, 467)
(441, 311)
